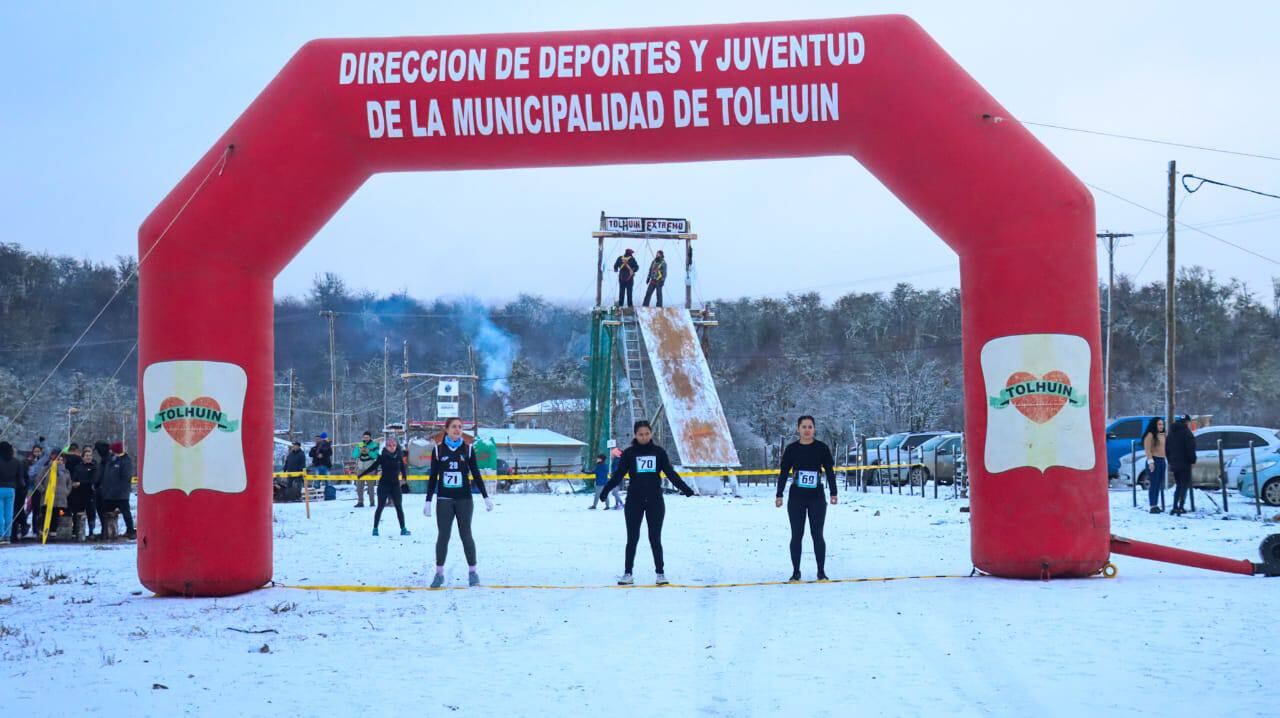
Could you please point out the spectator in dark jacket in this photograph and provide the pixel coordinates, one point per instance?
(1180, 450)
(80, 501)
(34, 500)
(12, 476)
(295, 462)
(627, 268)
(116, 486)
(322, 455)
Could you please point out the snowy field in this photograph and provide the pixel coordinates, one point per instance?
(1158, 640)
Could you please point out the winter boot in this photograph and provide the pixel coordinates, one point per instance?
(661, 579)
(438, 581)
(626, 580)
(110, 529)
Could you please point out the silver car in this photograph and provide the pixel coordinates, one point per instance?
(936, 459)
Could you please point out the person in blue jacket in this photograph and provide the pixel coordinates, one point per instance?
(602, 478)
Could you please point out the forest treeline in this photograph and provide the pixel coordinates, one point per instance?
(866, 362)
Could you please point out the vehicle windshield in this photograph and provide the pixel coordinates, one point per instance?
(894, 441)
(873, 443)
(932, 444)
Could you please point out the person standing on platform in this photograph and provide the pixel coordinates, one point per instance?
(627, 268)
(657, 278)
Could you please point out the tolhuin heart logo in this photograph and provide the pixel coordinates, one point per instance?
(1037, 398)
(188, 423)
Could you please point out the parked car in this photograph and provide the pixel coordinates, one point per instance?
(936, 455)
(897, 450)
(1240, 471)
(1206, 474)
(1123, 434)
(856, 457)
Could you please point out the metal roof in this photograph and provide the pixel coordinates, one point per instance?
(527, 437)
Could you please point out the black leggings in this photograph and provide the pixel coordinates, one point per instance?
(389, 490)
(814, 505)
(650, 508)
(446, 511)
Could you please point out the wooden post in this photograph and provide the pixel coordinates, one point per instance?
(688, 264)
(306, 494)
(600, 264)
(1170, 301)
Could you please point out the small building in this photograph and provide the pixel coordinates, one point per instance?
(531, 449)
(554, 414)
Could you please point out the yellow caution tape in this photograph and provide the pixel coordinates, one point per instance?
(561, 477)
(557, 477)
(514, 587)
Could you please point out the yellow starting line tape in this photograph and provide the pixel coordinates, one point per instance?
(503, 587)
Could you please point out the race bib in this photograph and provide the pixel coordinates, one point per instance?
(453, 479)
(646, 464)
(807, 479)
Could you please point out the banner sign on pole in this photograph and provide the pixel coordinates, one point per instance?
(447, 387)
(446, 409)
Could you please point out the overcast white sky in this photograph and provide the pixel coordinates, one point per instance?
(106, 106)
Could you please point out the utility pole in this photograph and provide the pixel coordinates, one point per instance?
(386, 358)
(333, 379)
(1111, 238)
(291, 404)
(404, 371)
(475, 417)
(1170, 301)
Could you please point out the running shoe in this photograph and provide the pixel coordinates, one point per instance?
(661, 579)
(375, 530)
(438, 581)
(404, 532)
(473, 579)
(626, 580)
(795, 577)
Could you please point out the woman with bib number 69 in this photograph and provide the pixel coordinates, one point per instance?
(807, 459)
(453, 462)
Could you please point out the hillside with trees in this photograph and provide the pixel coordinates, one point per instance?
(876, 362)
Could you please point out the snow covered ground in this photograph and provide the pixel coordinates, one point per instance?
(1158, 640)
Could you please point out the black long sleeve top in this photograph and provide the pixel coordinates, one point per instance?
(450, 470)
(807, 462)
(645, 464)
(391, 463)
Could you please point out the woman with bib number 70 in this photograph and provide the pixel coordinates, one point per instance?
(807, 459)
(453, 467)
(646, 462)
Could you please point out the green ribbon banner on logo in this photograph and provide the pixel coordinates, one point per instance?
(1033, 387)
(188, 411)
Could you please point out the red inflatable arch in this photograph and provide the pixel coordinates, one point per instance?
(876, 88)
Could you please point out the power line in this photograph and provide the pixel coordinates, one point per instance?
(1204, 181)
(1184, 224)
(1150, 140)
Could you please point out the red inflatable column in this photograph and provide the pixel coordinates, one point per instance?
(1033, 409)
(204, 501)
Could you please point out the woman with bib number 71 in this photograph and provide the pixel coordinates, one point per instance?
(453, 467)
(807, 459)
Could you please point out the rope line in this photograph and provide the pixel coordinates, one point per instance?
(132, 275)
(1150, 140)
(530, 587)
